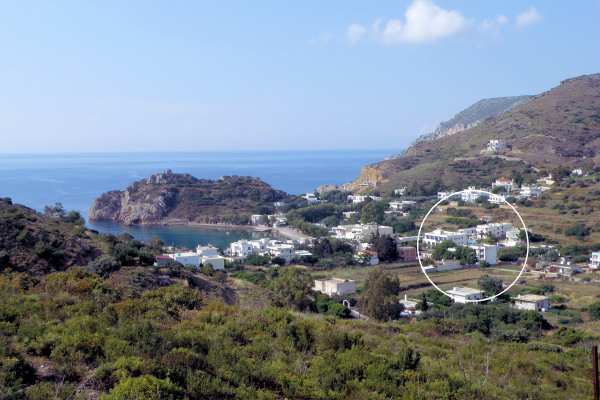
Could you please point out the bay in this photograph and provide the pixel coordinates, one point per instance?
(75, 180)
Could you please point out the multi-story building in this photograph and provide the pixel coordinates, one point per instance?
(530, 191)
(497, 230)
(485, 252)
(283, 250)
(360, 231)
(507, 184)
(432, 239)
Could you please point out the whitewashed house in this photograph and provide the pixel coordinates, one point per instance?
(335, 287)
(283, 250)
(530, 191)
(311, 198)
(532, 302)
(465, 294)
(495, 146)
(447, 265)
(507, 184)
(186, 258)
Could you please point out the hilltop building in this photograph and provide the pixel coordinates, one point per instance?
(495, 146)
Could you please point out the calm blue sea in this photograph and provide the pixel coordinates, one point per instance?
(75, 180)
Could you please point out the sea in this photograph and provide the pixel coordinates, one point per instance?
(75, 180)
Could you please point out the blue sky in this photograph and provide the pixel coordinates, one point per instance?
(81, 76)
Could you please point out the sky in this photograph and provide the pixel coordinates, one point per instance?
(127, 76)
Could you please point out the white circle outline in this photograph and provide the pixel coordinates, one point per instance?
(446, 198)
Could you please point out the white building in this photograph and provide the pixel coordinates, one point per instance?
(400, 192)
(495, 146)
(486, 253)
(577, 172)
(398, 205)
(360, 198)
(443, 195)
(410, 307)
(513, 234)
(532, 302)
(496, 199)
(256, 219)
(335, 287)
(507, 184)
(283, 250)
(432, 239)
(311, 198)
(531, 191)
(187, 258)
(464, 294)
(471, 194)
(470, 232)
(496, 230)
(447, 265)
(217, 262)
(360, 231)
(243, 248)
(595, 260)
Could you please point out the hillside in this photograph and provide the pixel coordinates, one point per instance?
(39, 244)
(558, 127)
(177, 198)
(468, 118)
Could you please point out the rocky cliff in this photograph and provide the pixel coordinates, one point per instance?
(172, 198)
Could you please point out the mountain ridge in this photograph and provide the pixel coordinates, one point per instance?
(468, 118)
(558, 127)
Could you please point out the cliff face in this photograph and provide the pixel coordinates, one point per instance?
(171, 198)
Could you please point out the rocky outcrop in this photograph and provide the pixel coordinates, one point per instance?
(167, 198)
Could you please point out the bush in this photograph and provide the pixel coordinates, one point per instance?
(594, 311)
(578, 230)
(103, 266)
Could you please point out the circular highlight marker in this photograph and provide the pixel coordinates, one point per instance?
(481, 192)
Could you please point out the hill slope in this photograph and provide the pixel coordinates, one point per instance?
(172, 198)
(558, 127)
(40, 244)
(469, 118)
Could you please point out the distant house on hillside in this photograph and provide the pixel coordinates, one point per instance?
(507, 184)
(495, 146)
(374, 260)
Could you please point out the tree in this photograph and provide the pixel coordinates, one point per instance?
(490, 283)
(380, 300)
(278, 260)
(594, 311)
(385, 246)
(424, 305)
(293, 288)
(323, 248)
(484, 264)
(103, 266)
(373, 212)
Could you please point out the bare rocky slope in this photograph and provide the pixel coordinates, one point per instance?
(558, 127)
(179, 198)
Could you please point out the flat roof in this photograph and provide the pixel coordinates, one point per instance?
(531, 298)
(335, 280)
(464, 291)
